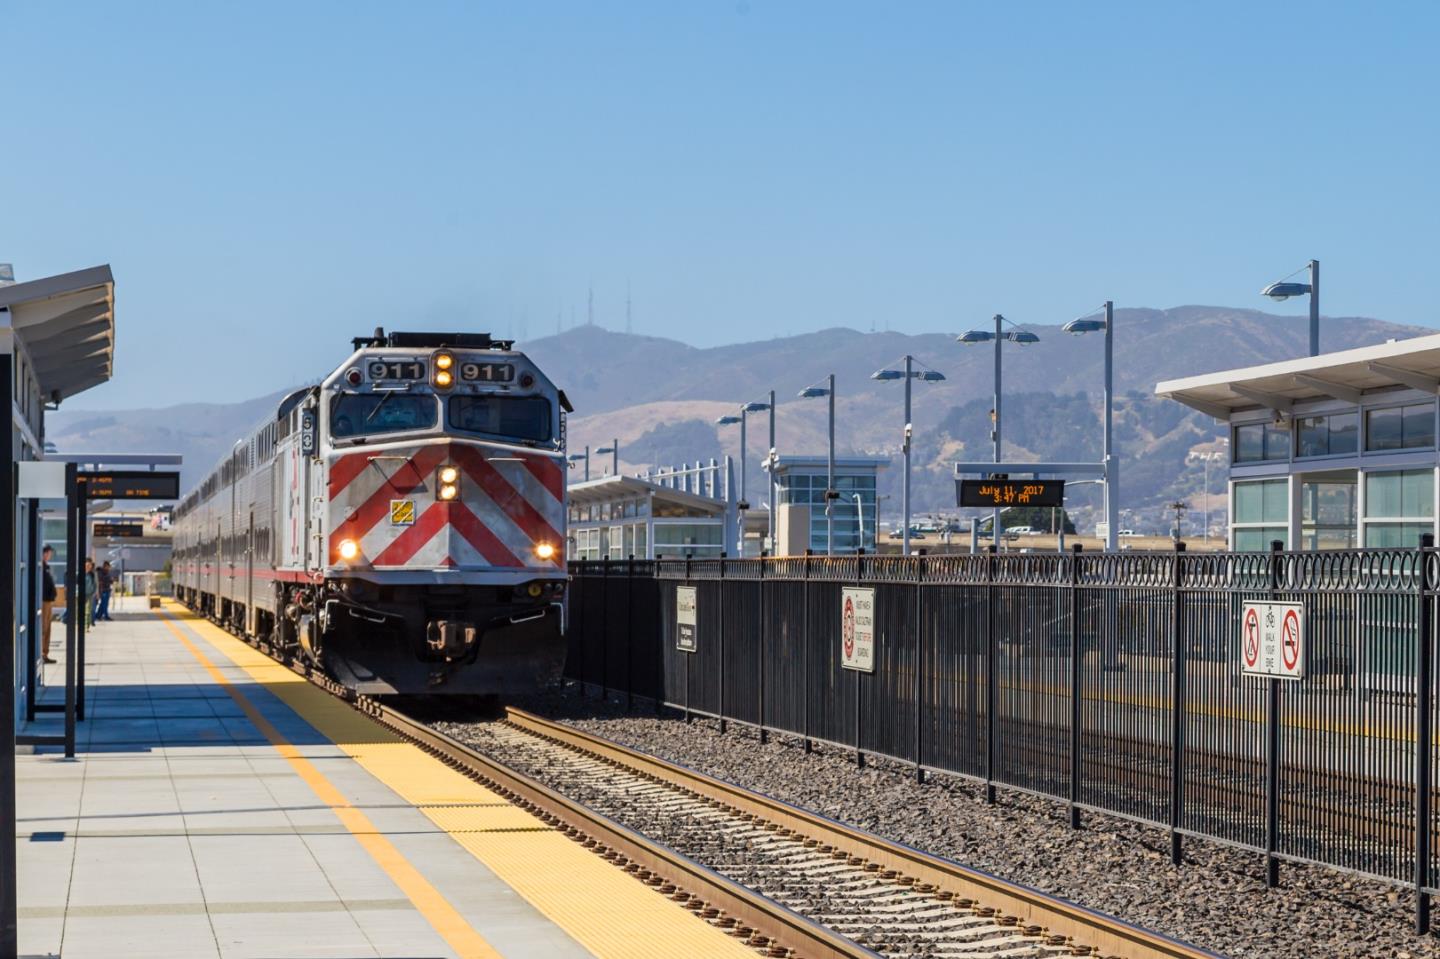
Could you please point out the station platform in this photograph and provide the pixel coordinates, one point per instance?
(221, 806)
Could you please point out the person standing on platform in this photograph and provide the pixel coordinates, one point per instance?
(105, 581)
(91, 595)
(47, 602)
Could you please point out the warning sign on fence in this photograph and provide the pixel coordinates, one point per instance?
(857, 629)
(685, 639)
(1272, 640)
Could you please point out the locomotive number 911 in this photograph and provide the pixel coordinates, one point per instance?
(401, 525)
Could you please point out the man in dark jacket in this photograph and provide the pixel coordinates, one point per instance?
(47, 602)
(104, 579)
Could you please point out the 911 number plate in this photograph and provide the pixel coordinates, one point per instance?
(397, 370)
(487, 372)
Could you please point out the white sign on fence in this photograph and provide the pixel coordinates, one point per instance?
(685, 639)
(1272, 640)
(857, 629)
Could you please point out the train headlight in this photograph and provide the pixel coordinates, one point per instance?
(444, 376)
(349, 549)
(534, 590)
(449, 474)
(545, 551)
(449, 491)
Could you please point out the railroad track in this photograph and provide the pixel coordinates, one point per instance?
(789, 883)
(871, 896)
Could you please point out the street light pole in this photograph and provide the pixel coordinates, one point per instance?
(1112, 470)
(995, 427)
(587, 463)
(905, 490)
(1284, 289)
(770, 475)
(830, 472)
(615, 456)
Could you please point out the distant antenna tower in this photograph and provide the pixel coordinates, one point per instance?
(590, 308)
(627, 307)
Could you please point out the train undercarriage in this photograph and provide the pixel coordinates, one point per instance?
(411, 639)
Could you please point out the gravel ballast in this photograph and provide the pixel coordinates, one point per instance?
(1216, 900)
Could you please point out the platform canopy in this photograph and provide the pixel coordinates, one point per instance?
(1346, 376)
(66, 324)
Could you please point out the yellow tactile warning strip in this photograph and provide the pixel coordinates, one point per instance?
(597, 904)
(436, 909)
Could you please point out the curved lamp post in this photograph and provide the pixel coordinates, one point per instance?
(745, 410)
(810, 393)
(907, 374)
(1286, 288)
(975, 337)
(1106, 324)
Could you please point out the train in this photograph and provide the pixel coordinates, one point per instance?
(400, 526)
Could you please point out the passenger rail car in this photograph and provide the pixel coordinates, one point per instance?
(401, 525)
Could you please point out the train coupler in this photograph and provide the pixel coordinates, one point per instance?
(452, 639)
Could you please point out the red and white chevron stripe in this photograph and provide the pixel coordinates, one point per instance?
(508, 504)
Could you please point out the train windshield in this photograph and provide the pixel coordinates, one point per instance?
(514, 417)
(361, 414)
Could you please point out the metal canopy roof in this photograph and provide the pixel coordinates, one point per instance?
(67, 326)
(1346, 375)
(607, 488)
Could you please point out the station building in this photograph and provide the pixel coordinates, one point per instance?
(668, 512)
(57, 335)
(801, 523)
(1332, 451)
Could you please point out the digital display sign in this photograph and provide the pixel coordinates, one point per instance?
(120, 530)
(132, 484)
(1008, 492)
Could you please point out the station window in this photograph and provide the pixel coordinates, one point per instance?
(1400, 427)
(1399, 507)
(1327, 514)
(1262, 513)
(1256, 442)
(1330, 435)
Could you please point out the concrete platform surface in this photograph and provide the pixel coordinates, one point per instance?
(206, 815)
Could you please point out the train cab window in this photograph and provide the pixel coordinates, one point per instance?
(361, 414)
(518, 417)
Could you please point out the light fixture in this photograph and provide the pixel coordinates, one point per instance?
(443, 361)
(449, 474)
(443, 378)
(545, 550)
(349, 549)
(449, 491)
(1284, 290)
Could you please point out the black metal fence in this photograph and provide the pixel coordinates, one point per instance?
(1110, 681)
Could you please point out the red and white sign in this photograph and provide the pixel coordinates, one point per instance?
(1272, 640)
(857, 629)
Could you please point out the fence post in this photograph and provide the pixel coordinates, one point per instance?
(919, 634)
(991, 679)
(605, 629)
(1272, 750)
(805, 654)
(859, 581)
(1077, 653)
(630, 633)
(1424, 693)
(1177, 705)
(720, 703)
(760, 659)
(699, 639)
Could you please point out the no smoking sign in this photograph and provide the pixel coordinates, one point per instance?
(1272, 640)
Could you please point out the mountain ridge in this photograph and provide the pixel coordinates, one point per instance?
(656, 394)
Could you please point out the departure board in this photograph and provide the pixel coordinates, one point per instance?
(131, 484)
(1008, 492)
(119, 530)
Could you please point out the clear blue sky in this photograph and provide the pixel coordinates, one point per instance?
(269, 179)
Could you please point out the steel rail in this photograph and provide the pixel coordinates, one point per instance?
(1106, 935)
(773, 928)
